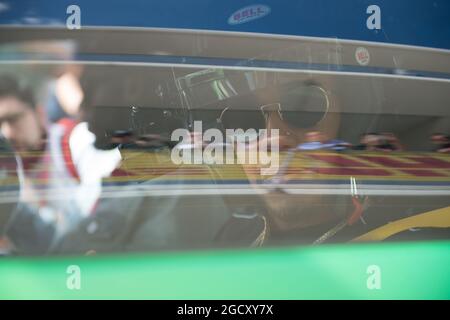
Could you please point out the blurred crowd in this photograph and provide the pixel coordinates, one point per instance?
(373, 141)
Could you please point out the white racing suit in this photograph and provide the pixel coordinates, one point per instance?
(60, 189)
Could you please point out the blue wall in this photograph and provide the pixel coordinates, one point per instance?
(414, 22)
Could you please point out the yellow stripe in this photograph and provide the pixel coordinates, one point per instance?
(439, 218)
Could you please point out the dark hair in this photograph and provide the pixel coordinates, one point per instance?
(10, 87)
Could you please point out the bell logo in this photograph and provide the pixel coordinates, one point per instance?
(248, 14)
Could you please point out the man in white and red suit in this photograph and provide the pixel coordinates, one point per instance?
(59, 168)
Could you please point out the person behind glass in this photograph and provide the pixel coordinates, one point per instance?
(298, 211)
(316, 140)
(64, 94)
(62, 177)
(389, 142)
(441, 142)
(374, 141)
(367, 142)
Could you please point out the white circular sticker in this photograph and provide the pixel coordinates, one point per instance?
(362, 56)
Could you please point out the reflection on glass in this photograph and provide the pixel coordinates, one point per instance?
(87, 152)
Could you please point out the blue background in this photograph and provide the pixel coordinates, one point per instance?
(413, 22)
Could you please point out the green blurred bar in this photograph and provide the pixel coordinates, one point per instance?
(417, 270)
